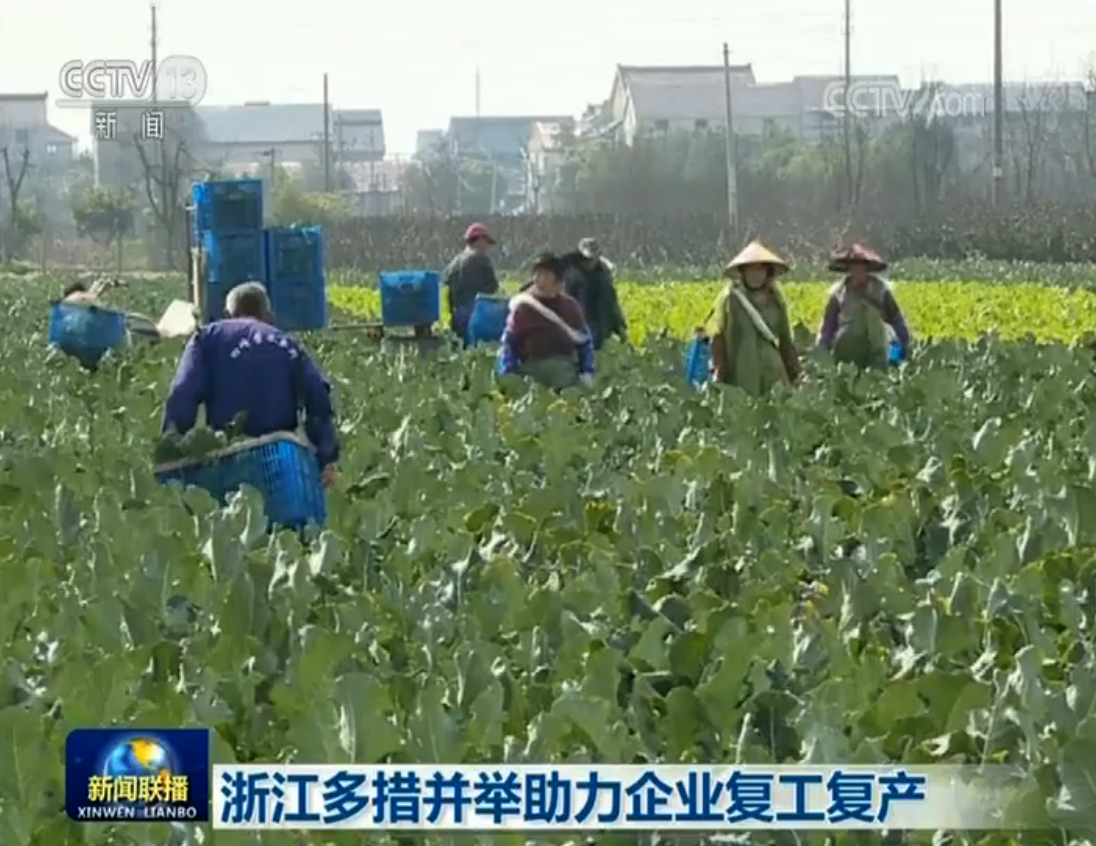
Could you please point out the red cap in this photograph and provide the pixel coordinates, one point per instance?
(477, 231)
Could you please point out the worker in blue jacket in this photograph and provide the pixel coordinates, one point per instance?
(245, 365)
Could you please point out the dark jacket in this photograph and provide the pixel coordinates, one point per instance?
(597, 295)
(247, 366)
(468, 274)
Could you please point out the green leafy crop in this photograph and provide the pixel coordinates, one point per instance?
(869, 568)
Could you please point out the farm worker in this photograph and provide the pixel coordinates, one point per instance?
(546, 336)
(751, 337)
(469, 273)
(245, 365)
(589, 280)
(78, 292)
(137, 324)
(860, 311)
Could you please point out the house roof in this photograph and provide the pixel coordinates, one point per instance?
(37, 134)
(1018, 96)
(57, 136)
(357, 130)
(679, 92)
(496, 137)
(262, 123)
(699, 92)
(357, 117)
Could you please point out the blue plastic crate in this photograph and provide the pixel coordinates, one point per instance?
(299, 304)
(410, 298)
(488, 320)
(698, 360)
(281, 467)
(294, 253)
(234, 258)
(227, 206)
(86, 331)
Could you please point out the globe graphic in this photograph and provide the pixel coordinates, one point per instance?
(139, 756)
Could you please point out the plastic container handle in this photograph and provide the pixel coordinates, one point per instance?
(405, 286)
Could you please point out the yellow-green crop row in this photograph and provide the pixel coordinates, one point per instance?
(963, 310)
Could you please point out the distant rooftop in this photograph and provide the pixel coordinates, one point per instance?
(262, 123)
(1019, 96)
(674, 92)
(24, 98)
(503, 137)
(292, 123)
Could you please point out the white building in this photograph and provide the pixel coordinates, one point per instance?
(235, 137)
(544, 164)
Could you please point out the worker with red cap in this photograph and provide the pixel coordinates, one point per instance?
(468, 274)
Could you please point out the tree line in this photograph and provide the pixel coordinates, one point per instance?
(1044, 233)
(920, 186)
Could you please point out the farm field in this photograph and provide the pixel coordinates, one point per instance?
(963, 310)
(871, 567)
(996, 300)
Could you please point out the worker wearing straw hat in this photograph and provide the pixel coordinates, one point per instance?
(862, 311)
(751, 338)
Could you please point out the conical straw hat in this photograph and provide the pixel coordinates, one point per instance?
(841, 259)
(756, 253)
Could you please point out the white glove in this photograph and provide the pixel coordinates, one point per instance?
(586, 379)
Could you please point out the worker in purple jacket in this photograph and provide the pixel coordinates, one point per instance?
(862, 313)
(244, 365)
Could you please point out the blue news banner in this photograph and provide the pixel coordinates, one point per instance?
(597, 797)
(137, 775)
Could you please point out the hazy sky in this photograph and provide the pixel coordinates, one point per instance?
(416, 60)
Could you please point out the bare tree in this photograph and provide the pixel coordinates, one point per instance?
(166, 165)
(932, 147)
(862, 136)
(1029, 134)
(14, 175)
(162, 182)
(1089, 125)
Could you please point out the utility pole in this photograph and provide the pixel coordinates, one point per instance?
(326, 138)
(169, 235)
(846, 127)
(732, 174)
(273, 153)
(998, 107)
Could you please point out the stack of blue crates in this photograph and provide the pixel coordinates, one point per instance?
(228, 225)
(295, 276)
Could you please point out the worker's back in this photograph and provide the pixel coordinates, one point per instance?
(252, 368)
